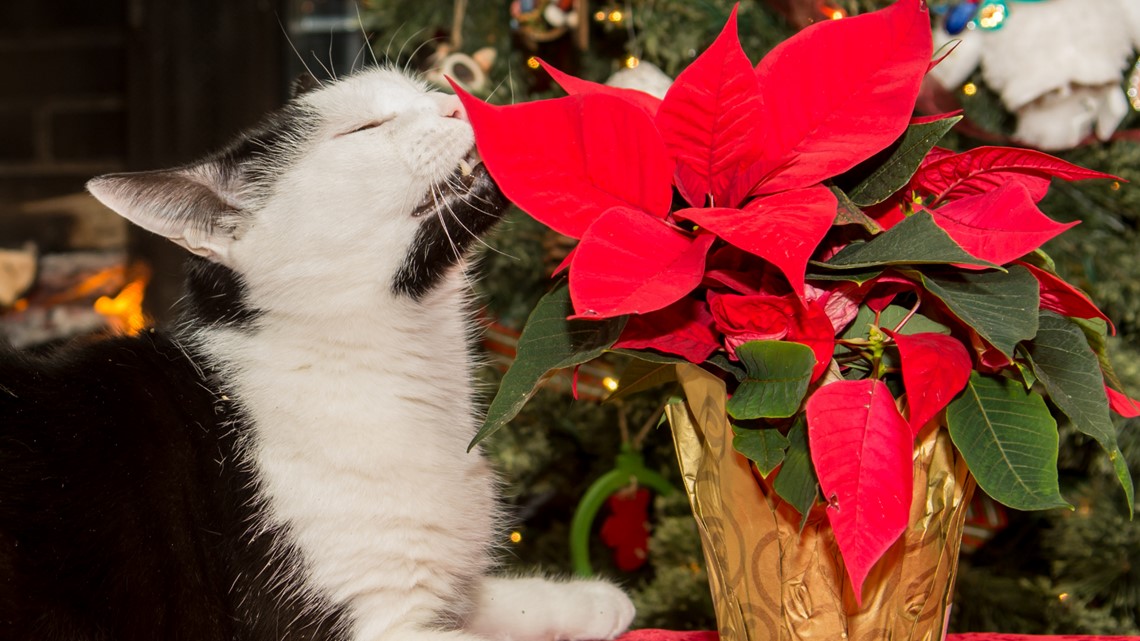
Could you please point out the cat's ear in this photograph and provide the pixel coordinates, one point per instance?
(192, 206)
(303, 84)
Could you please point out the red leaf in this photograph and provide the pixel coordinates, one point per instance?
(757, 317)
(684, 328)
(783, 229)
(998, 226)
(862, 451)
(990, 359)
(576, 86)
(711, 120)
(1061, 297)
(984, 169)
(840, 91)
(765, 317)
(1122, 404)
(884, 290)
(566, 161)
(631, 263)
(934, 369)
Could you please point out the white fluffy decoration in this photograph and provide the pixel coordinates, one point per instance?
(646, 77)
(1056, 64)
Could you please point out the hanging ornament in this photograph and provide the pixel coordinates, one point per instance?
(959, 16)
(540, 21)
(626, 529)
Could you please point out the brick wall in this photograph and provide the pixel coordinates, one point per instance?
(63, 96)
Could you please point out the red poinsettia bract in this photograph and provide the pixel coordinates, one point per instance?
(746, 148)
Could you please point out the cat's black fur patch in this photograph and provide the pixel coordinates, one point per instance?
(215, 295)
(446, 233)
(126, 510)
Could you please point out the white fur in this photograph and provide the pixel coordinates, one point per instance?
(360, 398)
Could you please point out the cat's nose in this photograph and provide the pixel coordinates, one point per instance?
(450, 107)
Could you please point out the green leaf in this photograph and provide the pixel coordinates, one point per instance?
(796, 482)
(890, 317)
(1096, 332)
(650, 356)
(1038, 258)
(896, 172)
(778, 373)
(641, 375)
(848, 213)
(1000, 306)
(1024, 364)
(548, 342)
(764, 447)
(723, 363)
(719, 360)
(1069, 371)
(1009, 440)
(855, 276)
(917, 240)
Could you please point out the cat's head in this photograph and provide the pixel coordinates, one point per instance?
(365, 187)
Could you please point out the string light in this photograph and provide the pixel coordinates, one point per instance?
(631, 62)
(610, 383)
(616, 16)
(516, 537)
(970, 89)
(1062, 597)
(600, 16)
(992, 16)
(533, 62)
(832, 12)
(1115, 186)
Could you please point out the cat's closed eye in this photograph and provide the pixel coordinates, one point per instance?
(368, 125)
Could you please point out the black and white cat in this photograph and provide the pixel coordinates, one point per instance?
(291, 463)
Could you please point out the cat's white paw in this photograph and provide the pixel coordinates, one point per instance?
(605, 610)
(533, 609)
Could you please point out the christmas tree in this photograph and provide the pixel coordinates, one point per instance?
(1050, 572)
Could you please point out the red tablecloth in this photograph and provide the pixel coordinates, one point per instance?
(667, 635)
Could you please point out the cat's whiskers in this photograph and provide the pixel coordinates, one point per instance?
(367, 37)
(408, 62)
(477, 237)
(328, 72)
(400, 54)
(300, 58)
(437, 195)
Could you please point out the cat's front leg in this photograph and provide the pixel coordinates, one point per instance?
(535, 609)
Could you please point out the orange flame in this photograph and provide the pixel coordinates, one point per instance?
(124, 312)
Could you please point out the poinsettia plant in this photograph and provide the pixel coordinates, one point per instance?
(792, 227)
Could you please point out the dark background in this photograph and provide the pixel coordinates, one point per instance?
(93, 87)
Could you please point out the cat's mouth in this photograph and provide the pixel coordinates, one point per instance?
(470, 185)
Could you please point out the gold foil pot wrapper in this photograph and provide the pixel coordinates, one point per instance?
(771, 581)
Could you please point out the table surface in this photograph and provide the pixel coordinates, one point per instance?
(668, 635)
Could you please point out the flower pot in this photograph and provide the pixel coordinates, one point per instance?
(773, 581)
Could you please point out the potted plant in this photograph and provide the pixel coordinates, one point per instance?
(863, 323)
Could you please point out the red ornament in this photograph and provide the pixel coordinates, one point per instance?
(626, 529)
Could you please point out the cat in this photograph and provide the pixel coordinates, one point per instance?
(290, 461)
